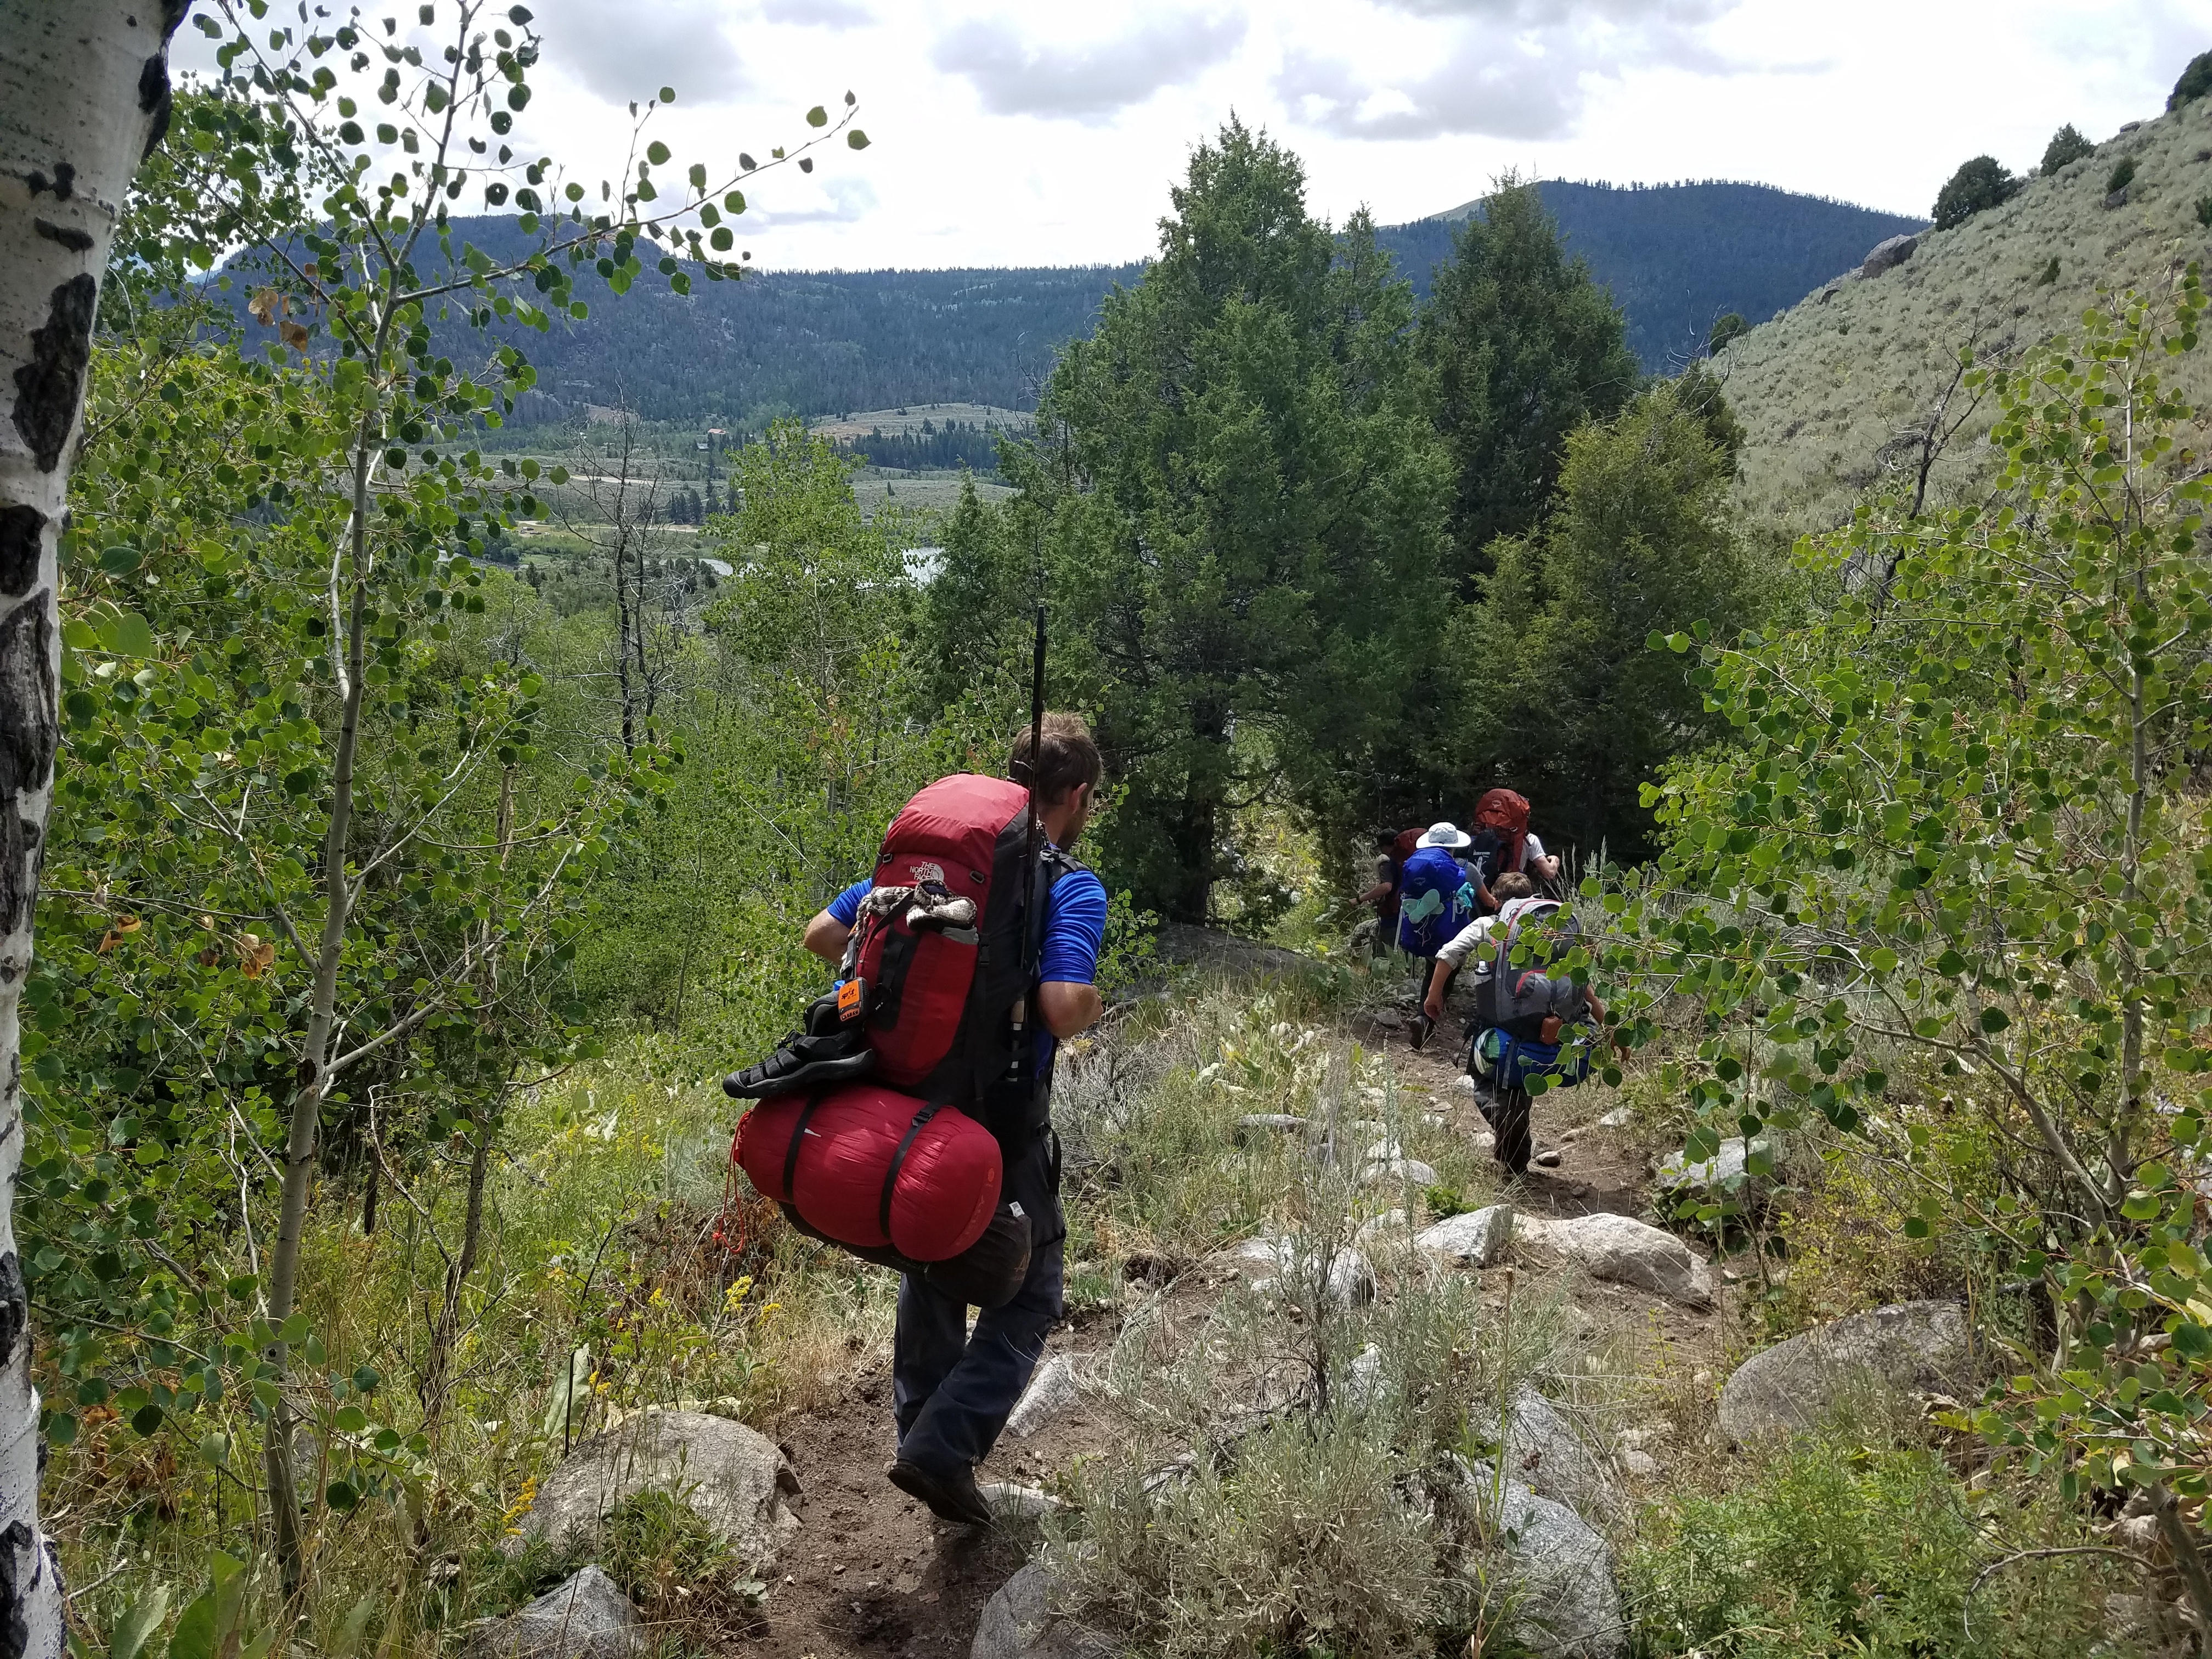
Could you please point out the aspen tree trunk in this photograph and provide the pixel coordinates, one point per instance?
(85, 96)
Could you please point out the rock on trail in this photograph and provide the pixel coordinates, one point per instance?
(732, 1476)
(1626, 1250)
(1794, 1384)
(1018, 1623)
(586, 1617)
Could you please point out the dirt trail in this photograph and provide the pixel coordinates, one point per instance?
(871, 1574)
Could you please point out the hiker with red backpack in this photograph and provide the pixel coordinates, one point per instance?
(1392, 848)
(966, 961)
(1503, 842)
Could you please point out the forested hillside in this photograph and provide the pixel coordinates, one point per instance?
(1676, 257)
(1783, 1234)
(1679, 257)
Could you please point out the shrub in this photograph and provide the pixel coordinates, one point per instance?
(1833, 1546)
(1725, 328)
(2204, 211)
(2049, 273)
(1978, 184)
(2196, 81)
(2067, 144)
(2122, 176)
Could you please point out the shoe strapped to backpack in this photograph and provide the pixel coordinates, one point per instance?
(830, 1050)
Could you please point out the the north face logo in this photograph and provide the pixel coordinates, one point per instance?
(925, 873)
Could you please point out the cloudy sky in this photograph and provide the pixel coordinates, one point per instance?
(1014, 134)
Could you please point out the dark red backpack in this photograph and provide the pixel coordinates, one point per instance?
(934, 995)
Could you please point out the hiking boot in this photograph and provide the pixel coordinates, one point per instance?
(1419, 1035)
(949, 1496)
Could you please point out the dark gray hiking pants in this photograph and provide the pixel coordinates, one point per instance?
(953, 1391)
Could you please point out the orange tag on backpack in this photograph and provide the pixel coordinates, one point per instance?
(852, 998)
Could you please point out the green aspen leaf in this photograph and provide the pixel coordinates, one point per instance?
(129, 634)
(657, 153)
(342, 1495)
(698, 176)
(668, 94)
(350, 1420)
(2141, 1206)
(147, 1419)
(817, 117)
(734, 202)
(61, 1428)
(79, 634)
(120, 560)
(1995, 1020)
(856, 139)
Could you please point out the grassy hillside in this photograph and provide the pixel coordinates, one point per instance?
(1831, 391)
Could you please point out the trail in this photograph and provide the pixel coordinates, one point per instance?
(871, 1574)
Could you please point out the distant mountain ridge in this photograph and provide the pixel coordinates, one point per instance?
(817, 343)
(1678, 257)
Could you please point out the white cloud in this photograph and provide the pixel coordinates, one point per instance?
(817, 14)
(620, 52)
(1504, 68)
(1085, 80)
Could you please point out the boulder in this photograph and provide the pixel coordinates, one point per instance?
(1399, 1170)
(1724, 1176)
(1793, 1384)
(1887, 256)
(586, 1617)
(1474, 1240)
(2119, 198)
(1619, 1118)
(1626, 1251)
(1543, 1450)
(1565, 1600)
(1050, 1392)
(733, 1476)
(1018, 1623)
(1265, 1260)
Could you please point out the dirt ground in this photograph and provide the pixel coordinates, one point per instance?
(872, 1574)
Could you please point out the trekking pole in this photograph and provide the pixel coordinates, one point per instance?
(1030, 931)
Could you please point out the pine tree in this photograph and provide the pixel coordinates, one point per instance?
(1238, 499)
(1521, 347)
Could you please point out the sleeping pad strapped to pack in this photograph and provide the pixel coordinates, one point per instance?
(932, 970)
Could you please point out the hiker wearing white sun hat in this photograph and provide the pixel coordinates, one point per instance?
(1435, 902)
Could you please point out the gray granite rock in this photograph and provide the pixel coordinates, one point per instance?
(586, 1617)
(1794, 1384)
(1559, 1586)
(1264, 1262)
(732, 1476)
(1476, 1240)
(1050, 1392)
(1626, 1251)
(1018, 1623)
(1887, 256)
(1543, 1451)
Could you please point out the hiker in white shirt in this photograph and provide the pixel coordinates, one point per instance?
(1511, 886)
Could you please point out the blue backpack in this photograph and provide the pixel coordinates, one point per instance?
(1436, 900)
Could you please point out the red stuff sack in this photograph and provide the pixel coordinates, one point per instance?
(870, 1168)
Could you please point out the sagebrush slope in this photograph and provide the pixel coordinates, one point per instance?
(1830, 391)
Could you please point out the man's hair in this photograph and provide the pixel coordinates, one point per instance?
(1512, 885)
(1070, 759)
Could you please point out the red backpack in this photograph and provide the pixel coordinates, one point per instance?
(933, 979)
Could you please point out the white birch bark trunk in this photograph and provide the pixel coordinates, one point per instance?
(84, 94)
